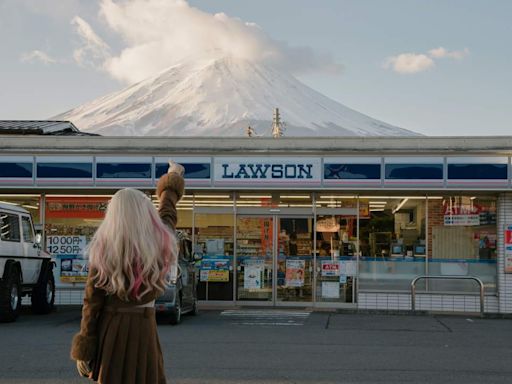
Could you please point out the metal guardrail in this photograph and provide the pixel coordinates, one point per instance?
(415, 280)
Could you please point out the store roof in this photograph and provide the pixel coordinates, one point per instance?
(40, 127)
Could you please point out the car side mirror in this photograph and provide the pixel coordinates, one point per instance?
(38, 240)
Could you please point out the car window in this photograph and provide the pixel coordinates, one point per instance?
(9, 227)
(28, 233)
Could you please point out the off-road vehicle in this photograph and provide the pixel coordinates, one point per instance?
(25, 269)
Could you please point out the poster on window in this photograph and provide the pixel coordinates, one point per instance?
(69, 252)
(348, 267)
(463, 215)
(330, 290)
(295, 273)
(253, 271)
(508, 249)
(215, 269)
(330, 268)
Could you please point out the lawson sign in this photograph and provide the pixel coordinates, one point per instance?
(270, 171)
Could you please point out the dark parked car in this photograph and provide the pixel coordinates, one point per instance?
(180, 297)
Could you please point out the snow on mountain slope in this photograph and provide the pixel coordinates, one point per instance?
(222, 97)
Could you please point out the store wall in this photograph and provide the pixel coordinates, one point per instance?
(504, 280)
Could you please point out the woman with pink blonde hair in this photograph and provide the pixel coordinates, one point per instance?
(130, 259)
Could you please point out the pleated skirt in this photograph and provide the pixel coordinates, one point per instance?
(128, 348)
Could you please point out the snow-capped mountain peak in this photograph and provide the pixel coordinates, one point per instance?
(222, 97)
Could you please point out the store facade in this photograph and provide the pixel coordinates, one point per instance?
(328, 222)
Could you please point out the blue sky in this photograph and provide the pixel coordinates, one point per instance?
(463, 90)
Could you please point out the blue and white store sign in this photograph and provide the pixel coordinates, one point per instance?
(269, 171)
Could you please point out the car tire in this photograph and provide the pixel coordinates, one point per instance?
(10, 297)
(195, 309)
(43, 295)
(175, 317)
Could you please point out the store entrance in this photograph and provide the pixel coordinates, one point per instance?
(275, 263)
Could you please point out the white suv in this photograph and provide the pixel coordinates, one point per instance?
(25, 269)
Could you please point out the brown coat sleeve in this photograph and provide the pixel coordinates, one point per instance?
(84, 344)
(170, 189)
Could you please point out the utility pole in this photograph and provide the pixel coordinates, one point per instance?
(250, 131)
(277, 125)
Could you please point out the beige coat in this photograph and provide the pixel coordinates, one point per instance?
(120, 339)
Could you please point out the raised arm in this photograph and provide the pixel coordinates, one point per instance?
(169, 190)
(84, 343)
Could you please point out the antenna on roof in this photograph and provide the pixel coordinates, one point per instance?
(277, 125)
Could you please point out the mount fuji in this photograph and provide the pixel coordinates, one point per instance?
(222, 97)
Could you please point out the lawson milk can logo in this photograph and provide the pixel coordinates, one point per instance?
(270, 170)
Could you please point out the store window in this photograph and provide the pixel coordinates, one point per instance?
(336, 249)
(16, 170)
(71, 222)
(477, 171)
(392, 242)
(462, 241)
(64, 170)
(123, 170)
(192, 170)
(352, 171)
(214, 242)
(414, 171)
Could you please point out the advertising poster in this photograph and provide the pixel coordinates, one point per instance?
(215, 269)
(253, 270)
(508, 249)
(348, 267)
(295, 273)
(69, 250)
(330, 268)
(330, 290)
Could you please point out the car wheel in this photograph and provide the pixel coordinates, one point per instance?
(195, 308)
(176, 312)
(43, 295)
(10, 297)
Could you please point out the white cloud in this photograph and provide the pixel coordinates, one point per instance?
(441, 52)
(37, 55)
(408, 63)
(160, 33)
(93, 51)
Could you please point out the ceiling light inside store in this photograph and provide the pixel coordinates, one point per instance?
(376, 209)
(401, 197)
(295, 197)
(8, 202)
(17, 195)
(336, 197)
(400, 205)
(255, 196)
(29, 206)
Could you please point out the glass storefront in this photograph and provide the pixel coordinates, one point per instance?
(292, 248)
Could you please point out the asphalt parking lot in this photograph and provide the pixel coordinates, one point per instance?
(259, 346)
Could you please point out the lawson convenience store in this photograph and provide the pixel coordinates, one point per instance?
(324, 222)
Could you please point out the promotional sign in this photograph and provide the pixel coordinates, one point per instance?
(69, 250)
(508, 249)
(327, 224)
(348, 267)
(215, 269)
(466, 215)
(267, 171)
(295, 273)
(330, 290)
(73, 207)
(330, 268)
(253, 270)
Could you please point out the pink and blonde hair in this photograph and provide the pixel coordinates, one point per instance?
(132, 251)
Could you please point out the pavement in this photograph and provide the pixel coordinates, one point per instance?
(256, 346)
